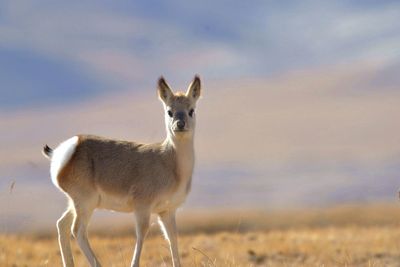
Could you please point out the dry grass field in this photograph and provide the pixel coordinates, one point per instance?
(343, 236)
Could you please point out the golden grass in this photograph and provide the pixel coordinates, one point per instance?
(331, 246)
(348, 239)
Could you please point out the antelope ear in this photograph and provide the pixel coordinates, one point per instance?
(164, 91)
(194, 90)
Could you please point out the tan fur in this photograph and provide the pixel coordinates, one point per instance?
(131, 177)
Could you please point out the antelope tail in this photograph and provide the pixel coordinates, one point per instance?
(47, 151)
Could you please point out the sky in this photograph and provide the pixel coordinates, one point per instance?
(69, 51)
(300, 104)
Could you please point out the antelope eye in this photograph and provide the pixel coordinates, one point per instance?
(191, 112)
(170, 113)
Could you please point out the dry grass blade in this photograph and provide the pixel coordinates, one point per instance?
(209, 260)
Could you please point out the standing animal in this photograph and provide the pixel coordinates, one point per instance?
(124, 176)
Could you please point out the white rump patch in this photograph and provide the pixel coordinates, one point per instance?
(61, 155)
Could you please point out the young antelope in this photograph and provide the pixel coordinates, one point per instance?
(95, 172)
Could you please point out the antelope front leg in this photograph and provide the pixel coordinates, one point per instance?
(142, 227)
(168, 225)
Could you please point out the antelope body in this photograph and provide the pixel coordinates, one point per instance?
(124, 176)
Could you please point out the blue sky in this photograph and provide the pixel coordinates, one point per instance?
(61, 52)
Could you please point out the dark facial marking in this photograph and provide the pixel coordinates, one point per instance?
(180, 115)
(191, 112)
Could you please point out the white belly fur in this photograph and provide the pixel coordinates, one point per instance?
(115, 202)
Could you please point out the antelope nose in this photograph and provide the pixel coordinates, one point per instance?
(181, 125)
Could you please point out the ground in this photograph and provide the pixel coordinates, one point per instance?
(375, 242)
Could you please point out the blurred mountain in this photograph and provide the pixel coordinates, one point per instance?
(31, 79)
(308, 138)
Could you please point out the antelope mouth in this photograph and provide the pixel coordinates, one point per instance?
(180, 130)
